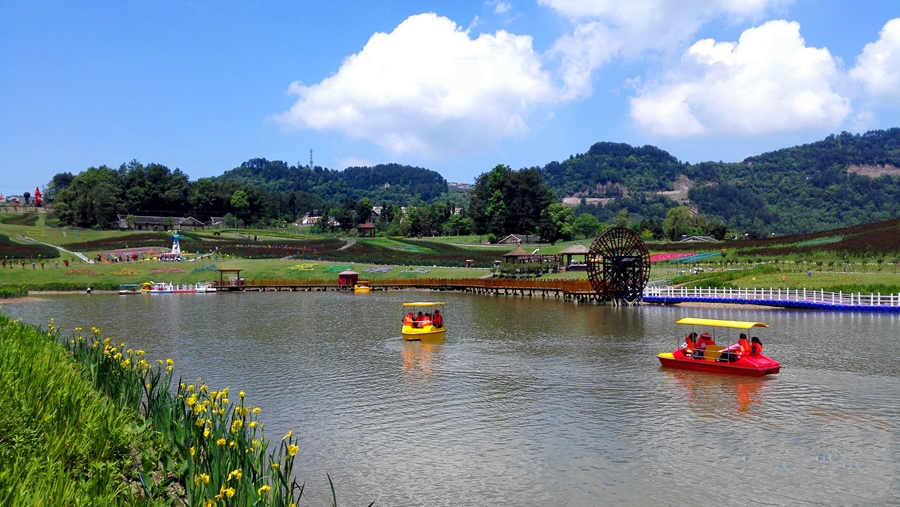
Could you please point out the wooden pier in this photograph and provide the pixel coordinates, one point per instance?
(570, 290)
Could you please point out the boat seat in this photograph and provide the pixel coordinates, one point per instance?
(712, 352)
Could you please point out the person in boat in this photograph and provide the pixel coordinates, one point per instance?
(689, 345)
(756, 347)
(419, 319)
(736, 351)
(704, 341)
(426, 320)
(438, 319)
(408, 320)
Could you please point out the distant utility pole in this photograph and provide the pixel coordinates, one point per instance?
(310, 159)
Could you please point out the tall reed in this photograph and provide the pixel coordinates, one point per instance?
(211, 447)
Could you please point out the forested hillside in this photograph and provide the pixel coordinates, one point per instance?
(843, 180)
(800, 189)
(392, 183)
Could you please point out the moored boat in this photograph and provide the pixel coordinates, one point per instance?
(161, 288)
(423, 322)
(126, 289)
(204, 288)
(362, 286)
(715, 358)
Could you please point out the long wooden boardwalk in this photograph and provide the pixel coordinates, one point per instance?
(582, 291)
(574, 290)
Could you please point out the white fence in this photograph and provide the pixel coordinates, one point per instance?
(771, 295)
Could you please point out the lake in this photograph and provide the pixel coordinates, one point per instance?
(532, 401)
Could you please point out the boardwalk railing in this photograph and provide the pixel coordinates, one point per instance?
(428, 283)
(791, 298)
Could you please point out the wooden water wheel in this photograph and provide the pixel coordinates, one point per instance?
(618, 265)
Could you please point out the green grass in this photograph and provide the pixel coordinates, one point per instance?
(59, 439)
(79, 417)
(426, 254)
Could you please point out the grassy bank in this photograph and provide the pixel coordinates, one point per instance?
(60, 441)
(84, 421)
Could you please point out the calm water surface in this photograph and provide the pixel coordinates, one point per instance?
(531, 401)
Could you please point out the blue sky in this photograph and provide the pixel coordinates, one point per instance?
(457, 87)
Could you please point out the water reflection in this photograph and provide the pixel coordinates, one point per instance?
(533, 401)
(714, 395)
(421, 356)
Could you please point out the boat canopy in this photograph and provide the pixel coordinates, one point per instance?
(734, 324)
(431, 303)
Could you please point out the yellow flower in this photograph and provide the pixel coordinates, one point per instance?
(253, 423)
(241, 394)
(229, 492)
(149, 386)
(256, 410)
(192, 450)
(77, 328)
(292, 449)
(265, 488)
(191, 399)
(204, 478)
(221, 441)
(206, 432)
(290, 433)
(169, 362)
(275, 466)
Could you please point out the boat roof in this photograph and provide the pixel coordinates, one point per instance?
(734, 324)
(129, 285)
(431, 303)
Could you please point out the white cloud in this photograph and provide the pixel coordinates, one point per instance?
(767, 82)
(878, 67)
(605, 29)
(427, 88)
(501, 7)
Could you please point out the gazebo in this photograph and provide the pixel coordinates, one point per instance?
(516, 255)
(366, 230)
(576, 249)
(347, 278)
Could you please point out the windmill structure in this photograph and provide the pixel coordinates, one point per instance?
(176, 246)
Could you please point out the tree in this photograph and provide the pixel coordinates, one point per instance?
(58, 183)
(91, 200)
(677, 222)
(586, 225)
(26, 195)
(240, 204)
(556, 223)
(505, 201)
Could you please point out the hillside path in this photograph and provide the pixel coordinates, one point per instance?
(76, 254)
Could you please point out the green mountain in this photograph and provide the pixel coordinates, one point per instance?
(843, 180)
(391, 183)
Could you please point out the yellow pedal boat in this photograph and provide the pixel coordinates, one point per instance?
(423, 321)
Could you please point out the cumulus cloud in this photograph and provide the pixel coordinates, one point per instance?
(429, 89)
(878, 67)
(605, 29)
(767, 82)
